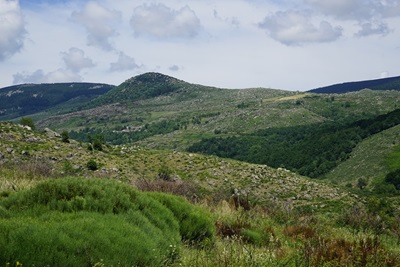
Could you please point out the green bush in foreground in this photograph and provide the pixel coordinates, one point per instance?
(79, 222)
(194, 224)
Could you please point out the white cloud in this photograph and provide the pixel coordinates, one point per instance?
(174, 68)
(391, 8)
(360, 10)
(368, 29)
(99, 23)
(162, 22)
(124, 63)
(75, 60)
(371, 15)
(296, 28)
(12, 30)
(39, 76)
(346, 9)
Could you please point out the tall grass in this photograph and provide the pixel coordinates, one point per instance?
(195, 224)
(81, 222)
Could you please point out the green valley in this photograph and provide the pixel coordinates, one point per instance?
(161, 172)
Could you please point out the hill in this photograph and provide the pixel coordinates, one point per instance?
(45, 154)
(305, 132)
(254, 208)
(156, 111)
(392, 83)
(26, 99)
(141, 87)
(260, 216)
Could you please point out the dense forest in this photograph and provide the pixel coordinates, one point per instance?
(20, 100)
(310, 150)
(392, 83)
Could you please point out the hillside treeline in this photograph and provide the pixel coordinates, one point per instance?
(310, 150)
(392, 83)
(20, 100)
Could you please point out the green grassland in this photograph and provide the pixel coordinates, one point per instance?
(246, 214)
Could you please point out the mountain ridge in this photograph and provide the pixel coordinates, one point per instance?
(391, 83)
(26, 99)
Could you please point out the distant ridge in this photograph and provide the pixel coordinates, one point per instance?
(26, 99)
(392, 83)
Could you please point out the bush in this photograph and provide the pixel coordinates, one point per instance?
(394, 178)
(76, 239)
(27, 122)
(252, 236)
(181, 188)
(35, 169)
(92, 165)
(77, 222)
(195, 224)
(164, 173)
(65, 137)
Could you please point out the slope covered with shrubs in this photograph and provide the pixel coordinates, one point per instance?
(77, 222)
(311, 150)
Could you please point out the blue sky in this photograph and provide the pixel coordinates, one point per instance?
(292, 45)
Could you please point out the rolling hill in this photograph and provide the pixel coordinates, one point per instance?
(157, 111)
(392, 83)
(27, 99)
(145, 135)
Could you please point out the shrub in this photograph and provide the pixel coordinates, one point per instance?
(394, 178)
(35, 169)
(164, 173)
(76, 239)
(68, 168)
(77, 222)
(180, 188)
(252, 236)
(297, 231)
(195, 224)
(25, 121)
(65, 137)
(92, 165)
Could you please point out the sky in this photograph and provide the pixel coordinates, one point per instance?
(293, 45)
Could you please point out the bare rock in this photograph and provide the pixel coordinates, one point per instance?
(50, 133)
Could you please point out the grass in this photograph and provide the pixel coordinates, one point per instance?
(76, 221)
(393, 159)
(363, 163)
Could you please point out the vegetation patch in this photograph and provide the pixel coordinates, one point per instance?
(311, 150)
(77, 221)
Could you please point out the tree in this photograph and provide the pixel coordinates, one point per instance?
(394, 178)
(25, 121)
(96, 142)
(65, 137)
(362, 183)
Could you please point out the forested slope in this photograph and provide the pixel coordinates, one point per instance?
(311, 150)
(392, 83)
(26, 99)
